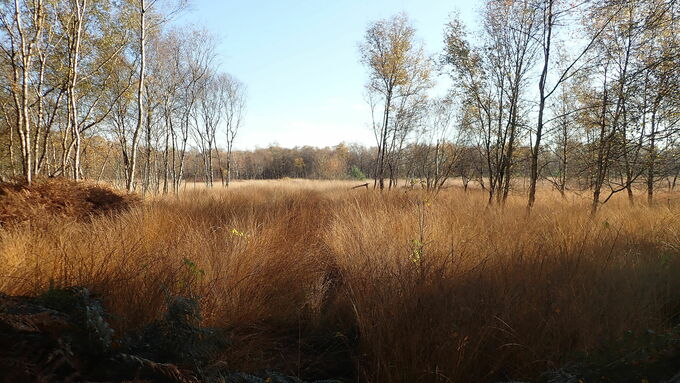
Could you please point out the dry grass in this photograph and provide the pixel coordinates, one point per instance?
(318, 280)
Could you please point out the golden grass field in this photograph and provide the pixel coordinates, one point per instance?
(318, 280)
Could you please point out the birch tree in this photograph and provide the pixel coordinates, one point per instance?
(395, 60)
(234, 105)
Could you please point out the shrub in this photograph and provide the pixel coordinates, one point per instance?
(356, 173)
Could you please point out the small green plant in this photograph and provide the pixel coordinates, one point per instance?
(417, 246)
(416, 254)
(356, 173)
(192, 274)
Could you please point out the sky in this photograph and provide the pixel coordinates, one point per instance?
(299, 60)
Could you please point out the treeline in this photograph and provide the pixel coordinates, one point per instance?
(99, 162)
(467, 166)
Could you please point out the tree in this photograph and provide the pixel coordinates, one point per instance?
(144, 9)
(553, 14)
(234, 104)
(491, 79)
(398, 70)
(23, 35)
(207, 118)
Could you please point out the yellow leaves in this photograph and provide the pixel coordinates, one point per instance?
(416, 253)
(390, 52)
(237, 233)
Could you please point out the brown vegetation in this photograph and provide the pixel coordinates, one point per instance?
(399, 286)
(50, 198)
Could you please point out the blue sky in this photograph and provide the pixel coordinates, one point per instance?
(300, 61)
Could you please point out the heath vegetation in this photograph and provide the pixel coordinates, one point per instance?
(320, 281)
(522, 224)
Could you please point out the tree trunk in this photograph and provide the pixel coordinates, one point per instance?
(130, 183)
(541, 107)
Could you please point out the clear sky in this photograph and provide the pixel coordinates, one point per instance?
(300, 61)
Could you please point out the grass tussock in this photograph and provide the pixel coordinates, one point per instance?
(392, 287)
